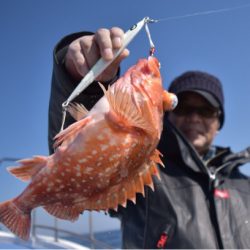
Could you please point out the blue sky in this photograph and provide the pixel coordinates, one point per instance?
(217, 43)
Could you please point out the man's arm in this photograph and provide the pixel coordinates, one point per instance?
(73, 57)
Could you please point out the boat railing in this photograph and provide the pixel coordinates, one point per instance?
(91, 241)
(58, 233)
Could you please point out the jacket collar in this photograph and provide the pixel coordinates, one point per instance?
(175, 146)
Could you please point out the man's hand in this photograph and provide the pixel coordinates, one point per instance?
(85, 51)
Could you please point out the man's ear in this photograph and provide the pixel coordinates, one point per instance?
(218, 126)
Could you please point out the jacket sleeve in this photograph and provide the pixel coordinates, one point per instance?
(62, 85)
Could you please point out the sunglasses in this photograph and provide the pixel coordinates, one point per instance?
(203, 111)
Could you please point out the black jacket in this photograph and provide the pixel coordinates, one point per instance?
(195, 205)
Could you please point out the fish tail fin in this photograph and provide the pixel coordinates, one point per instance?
(17, 221)
(28, 168)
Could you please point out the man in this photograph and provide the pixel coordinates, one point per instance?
(202, 200)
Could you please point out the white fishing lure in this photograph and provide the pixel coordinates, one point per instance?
(101, 64)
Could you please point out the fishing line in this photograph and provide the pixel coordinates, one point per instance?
(202, 13)
(101, 65)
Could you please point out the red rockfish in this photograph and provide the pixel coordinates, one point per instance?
(103, 159)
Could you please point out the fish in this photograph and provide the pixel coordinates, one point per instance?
(103, 159)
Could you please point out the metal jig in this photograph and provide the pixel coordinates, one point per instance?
(101, 65)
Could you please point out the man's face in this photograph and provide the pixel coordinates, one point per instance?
(196, 119)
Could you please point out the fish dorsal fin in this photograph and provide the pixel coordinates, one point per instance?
(28, 168)
(63, 212)
(123, 105)
(156, 157)
(77, 111)
(123, 191)
(69, 134)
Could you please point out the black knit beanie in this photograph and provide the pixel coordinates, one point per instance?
(204, 84)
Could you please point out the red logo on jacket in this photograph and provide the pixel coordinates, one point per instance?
(223, 194)
(162, 241)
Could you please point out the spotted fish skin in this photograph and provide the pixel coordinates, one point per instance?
(103, 159)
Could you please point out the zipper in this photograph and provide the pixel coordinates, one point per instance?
(212, 173)
(213, 183)
(146, 218)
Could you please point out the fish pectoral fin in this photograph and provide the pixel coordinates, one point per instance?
(124, 108)
(77, 111)
(68, 212)
(68, 135)
(29, 167)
